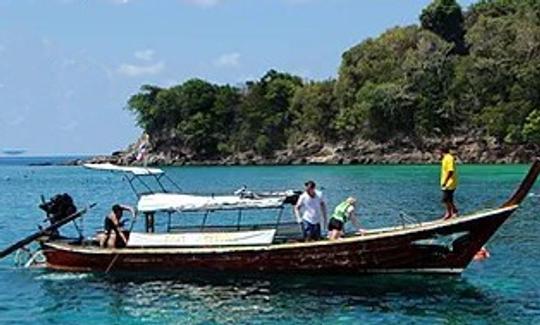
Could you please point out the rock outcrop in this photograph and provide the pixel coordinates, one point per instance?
(469, 149)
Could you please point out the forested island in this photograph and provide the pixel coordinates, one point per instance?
(469, 78)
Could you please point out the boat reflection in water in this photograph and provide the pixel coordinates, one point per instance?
(237, 299)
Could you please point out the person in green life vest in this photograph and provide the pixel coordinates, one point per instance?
(344, 212)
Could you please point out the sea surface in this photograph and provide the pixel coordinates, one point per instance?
(501, 290)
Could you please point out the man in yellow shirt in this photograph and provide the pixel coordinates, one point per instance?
(449, 182)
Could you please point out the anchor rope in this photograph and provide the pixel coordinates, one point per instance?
(112, 263)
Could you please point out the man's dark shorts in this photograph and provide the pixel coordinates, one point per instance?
(448, 196)
(335, 224)
(311, 231)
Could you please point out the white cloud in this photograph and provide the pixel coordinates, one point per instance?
(132, 70)
(120, 2)
(168, 83)
(203, 3)
(297, 2)
(17, 121)
(228, 60)
(198, 3)
(69, 125)
(146, 55)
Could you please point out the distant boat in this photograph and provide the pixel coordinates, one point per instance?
(13, 151)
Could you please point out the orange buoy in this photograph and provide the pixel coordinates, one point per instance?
(482, 254)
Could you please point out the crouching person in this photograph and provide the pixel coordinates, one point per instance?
(113, 235)
(344, 212)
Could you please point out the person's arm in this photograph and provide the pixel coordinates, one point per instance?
(324, 212)
(355, 222)
(131, 210)
(128, 208)
(118, 230)
(450, 174)
(297, 210)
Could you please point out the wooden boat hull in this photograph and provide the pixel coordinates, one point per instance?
(435, 247)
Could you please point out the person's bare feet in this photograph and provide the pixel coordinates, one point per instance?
(450, 216)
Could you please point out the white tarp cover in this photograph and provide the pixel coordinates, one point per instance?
(183, 202)
(139, 171)
(258, 237)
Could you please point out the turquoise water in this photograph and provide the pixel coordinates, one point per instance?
(502, 289)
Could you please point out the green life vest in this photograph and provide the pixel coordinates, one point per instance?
(340, 212)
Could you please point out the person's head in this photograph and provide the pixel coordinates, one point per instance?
(117, 210)
(351, 200)
(310, 187)
(445, 149)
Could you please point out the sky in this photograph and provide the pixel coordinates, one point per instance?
(68, 67)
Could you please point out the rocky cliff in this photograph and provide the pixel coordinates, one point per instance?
(469, 149)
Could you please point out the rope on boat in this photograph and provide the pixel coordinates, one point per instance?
(21, 256)
(36, 258)
(25, 258)
(133, 221)
(408, 219)
(112, 263)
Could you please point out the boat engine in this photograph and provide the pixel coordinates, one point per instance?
(58, 207)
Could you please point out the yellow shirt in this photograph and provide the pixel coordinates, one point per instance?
(448, 164)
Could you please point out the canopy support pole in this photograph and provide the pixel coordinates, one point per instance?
(172, 182)
(169, 221)
(149, 222)
(158, 177)
(144, 184)
(239, 221)
(204, 220)
(130, 181)
(278, 221)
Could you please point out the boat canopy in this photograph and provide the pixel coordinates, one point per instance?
(137, 171)
(183, 202)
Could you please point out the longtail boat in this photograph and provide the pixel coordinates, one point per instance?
(441, 246)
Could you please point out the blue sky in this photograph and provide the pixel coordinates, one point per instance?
(67, 67)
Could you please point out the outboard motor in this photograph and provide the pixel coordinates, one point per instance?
(292, 197)
(58, 207)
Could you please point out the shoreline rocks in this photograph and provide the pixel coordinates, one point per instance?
(481, 150)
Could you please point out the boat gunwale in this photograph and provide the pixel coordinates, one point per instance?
(376, 234)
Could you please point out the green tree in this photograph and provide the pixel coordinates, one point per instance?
(265, 110)
(374, 60)
(531, 130)
(445, 18)
(143, 105)
(313, 110)
(381, 112)
(429, 72)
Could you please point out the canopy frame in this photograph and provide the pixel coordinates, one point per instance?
(133, 174)
(234, 226)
